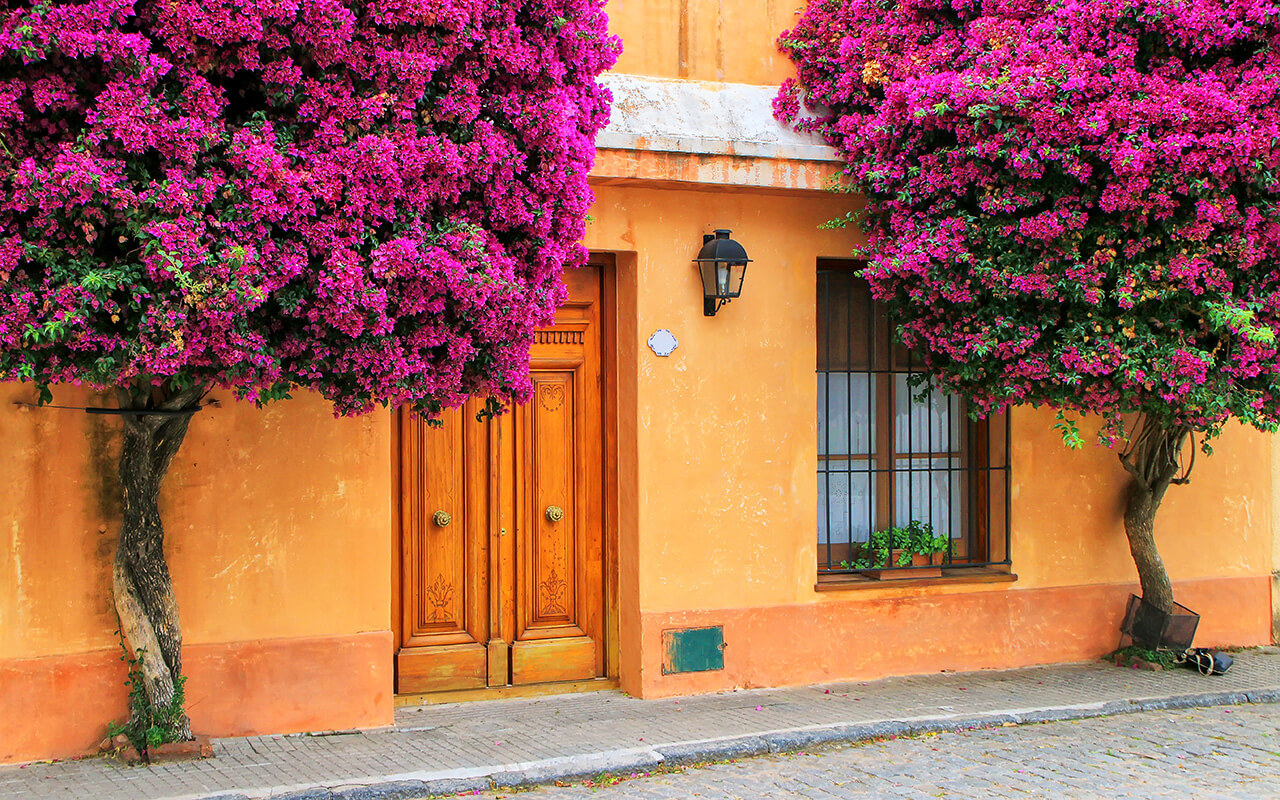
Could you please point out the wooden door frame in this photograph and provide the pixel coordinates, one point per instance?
(609, 363)
(608, 266)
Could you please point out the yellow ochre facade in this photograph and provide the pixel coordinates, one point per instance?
(286, 526)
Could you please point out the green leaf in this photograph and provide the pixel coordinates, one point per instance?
(1070, 431)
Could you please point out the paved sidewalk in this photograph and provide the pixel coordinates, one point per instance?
(463, 747)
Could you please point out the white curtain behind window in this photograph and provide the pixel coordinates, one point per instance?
(846, 430)
(927, 489)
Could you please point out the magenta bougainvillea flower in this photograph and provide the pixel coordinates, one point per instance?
(1068, 202)
(374, 199)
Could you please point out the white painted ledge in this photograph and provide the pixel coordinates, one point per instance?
(705, 118)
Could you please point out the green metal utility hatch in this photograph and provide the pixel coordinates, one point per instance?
(693, 650)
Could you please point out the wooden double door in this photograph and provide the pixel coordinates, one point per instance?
(503, 545)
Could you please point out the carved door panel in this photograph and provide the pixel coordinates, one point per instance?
(559, 499)
(511, 590)
(444, 627)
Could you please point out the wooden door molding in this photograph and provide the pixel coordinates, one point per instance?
(546, 440)
(505, 594)
(498, 648)
(559, 589)
(444, 629)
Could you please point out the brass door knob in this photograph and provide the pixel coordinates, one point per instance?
(555, 513)
(442, 519)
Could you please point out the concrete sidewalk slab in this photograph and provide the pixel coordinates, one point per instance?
(464, 747)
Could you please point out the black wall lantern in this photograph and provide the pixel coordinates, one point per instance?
(723, 262)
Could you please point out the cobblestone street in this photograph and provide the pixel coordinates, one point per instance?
(1209, 753)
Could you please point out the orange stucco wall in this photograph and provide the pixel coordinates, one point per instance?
(912, 631)
(709, 40)
(1275, 545)
(279, 539)
(726, 452)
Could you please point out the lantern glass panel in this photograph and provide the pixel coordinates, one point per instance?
(722, 279)
(734, 272)
(708, 270)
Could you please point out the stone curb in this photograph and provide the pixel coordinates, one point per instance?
(622, 762)
(571, 768)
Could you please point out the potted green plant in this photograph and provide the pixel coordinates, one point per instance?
(859, 557)
(888, 550)
(859, 563)
(927, 548)
(890, 547)
(870, 555)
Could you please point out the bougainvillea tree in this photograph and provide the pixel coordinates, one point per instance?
(1069, 203)
(372, 199)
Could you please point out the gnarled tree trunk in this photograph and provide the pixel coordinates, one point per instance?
(1154, 460)
(142, 586)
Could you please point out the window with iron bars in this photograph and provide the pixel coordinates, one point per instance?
(908, 484)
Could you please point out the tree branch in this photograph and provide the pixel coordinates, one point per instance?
(1127, 462)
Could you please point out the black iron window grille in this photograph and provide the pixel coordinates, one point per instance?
(908, 484)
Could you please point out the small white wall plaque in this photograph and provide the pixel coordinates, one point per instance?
(663, 343)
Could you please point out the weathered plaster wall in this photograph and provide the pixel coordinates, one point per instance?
(706, 40)
(1275, 544)
(706, 117)
(726, 444)
(279, 538)
(677, 134)
(727, 459)
(723, 440)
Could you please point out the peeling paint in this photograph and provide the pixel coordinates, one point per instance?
(702, 117)
(719, 173)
